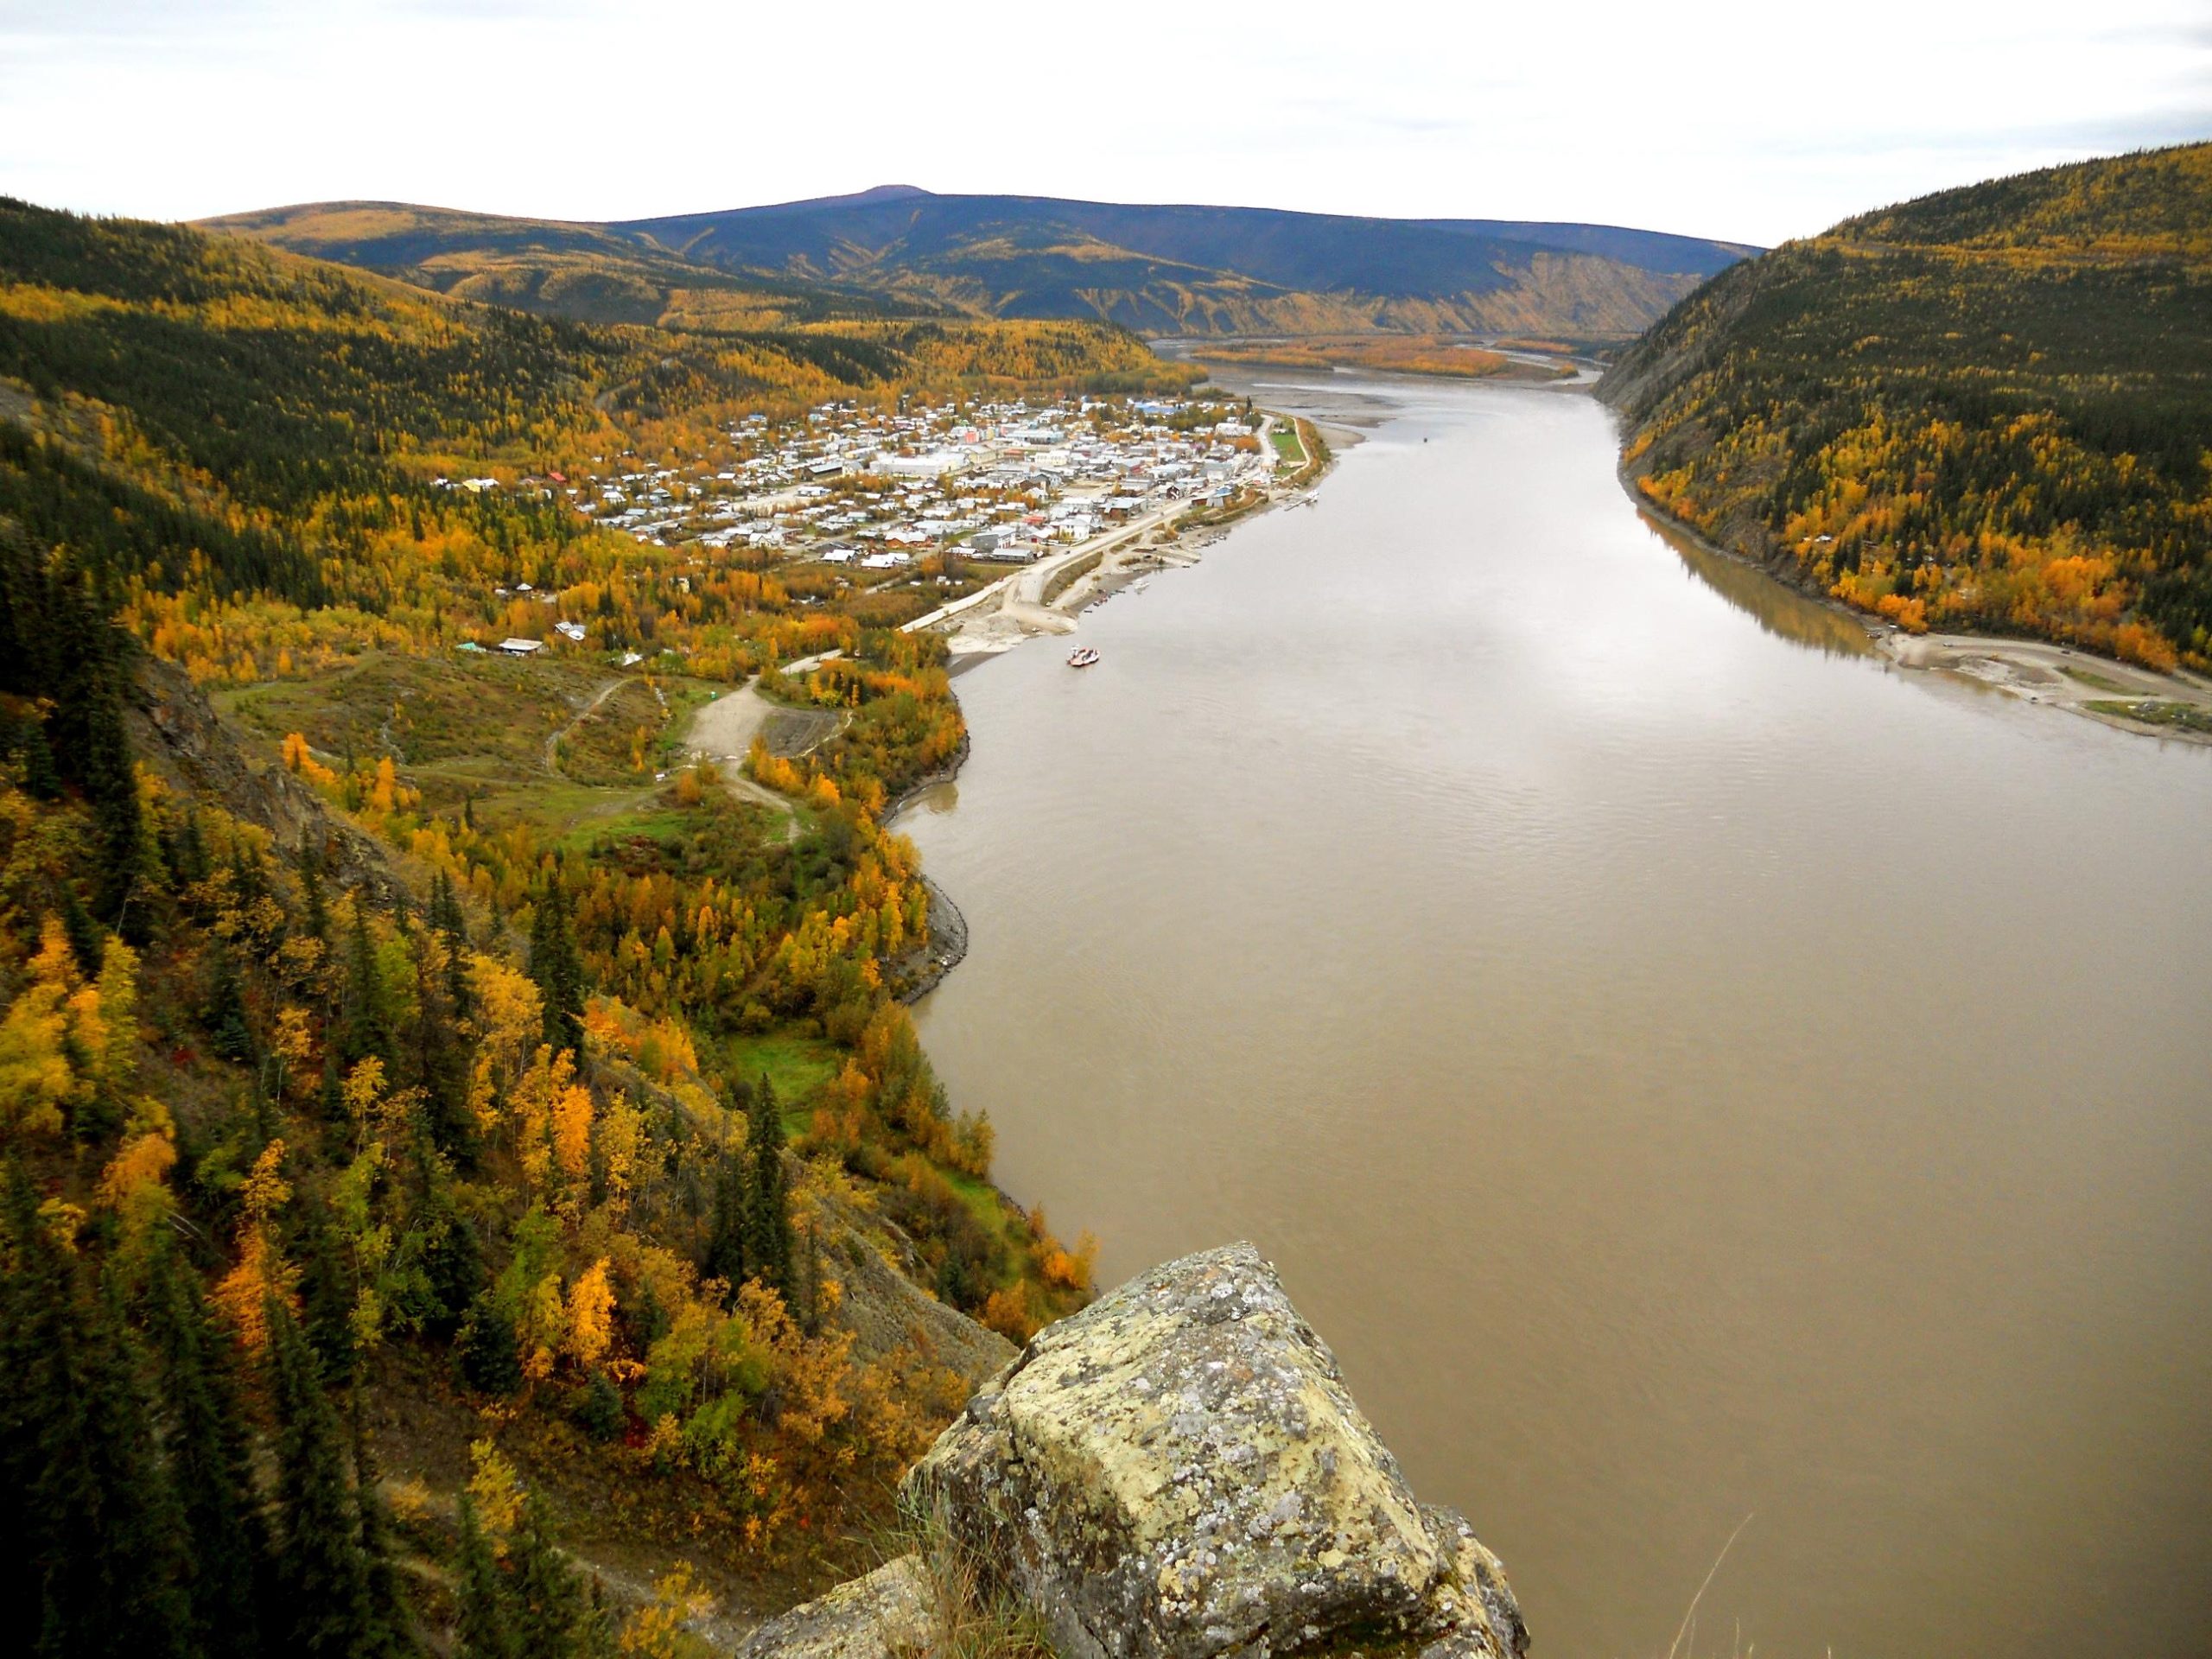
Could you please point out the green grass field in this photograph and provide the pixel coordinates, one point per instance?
(796, 1068)
(2184, 716)
(2091, 678)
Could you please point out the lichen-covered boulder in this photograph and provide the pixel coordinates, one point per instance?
(885, 1615)
(1179, 1470)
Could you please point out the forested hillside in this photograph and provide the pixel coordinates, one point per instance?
(1163, 270)
(412, 1152)
(1990, 409)
(241, 445)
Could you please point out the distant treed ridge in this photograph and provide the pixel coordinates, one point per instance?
(1186, 270)
(1989, 409)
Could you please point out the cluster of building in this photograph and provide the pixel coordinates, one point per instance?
(867, 494)
(872, 489)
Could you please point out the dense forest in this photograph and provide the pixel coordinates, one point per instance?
(396, 1178)
(1990, 409)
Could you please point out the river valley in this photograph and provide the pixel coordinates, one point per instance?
(1687, 1067)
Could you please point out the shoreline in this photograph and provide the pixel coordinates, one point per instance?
(949, 949)
(1050, 597)
(2044, 672)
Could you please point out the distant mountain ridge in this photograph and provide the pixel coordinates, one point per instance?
(1159, 270)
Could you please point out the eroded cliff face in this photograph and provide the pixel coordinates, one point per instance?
(1179, 1472)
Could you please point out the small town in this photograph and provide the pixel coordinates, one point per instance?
(927, 507)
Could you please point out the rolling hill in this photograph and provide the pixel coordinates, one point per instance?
(1986, 409)
(1160, 269)
(585, 272)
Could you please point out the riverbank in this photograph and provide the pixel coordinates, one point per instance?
(1048, 596)
(2124, 696)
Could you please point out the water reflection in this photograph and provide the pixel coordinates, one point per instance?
(1780, 610)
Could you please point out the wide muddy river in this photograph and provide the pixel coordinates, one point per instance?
(1687, 1069)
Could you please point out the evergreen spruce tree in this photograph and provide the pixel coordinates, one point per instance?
(486, 1351)
(84, 942)
(328, 1291)
(211, 1465)
(25, 615)
(768, 1211)
(190, 858)
(551, 1605)
(90, 699)
(41, 777)
(330, 1095)
(557, 969)
(599, 1412)
(452, 923)
(439, 1055)
(90, 1551)
(322, 1576)
(446, 914)
(314, 910)
(144, 1553)
(726, 1232)
(363, 1029)
(484, 1631)
(453, 1261)
(249, 881)
(230, 1030)
(33, 1360)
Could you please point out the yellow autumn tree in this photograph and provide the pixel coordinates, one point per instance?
(510, 1014)
(571, 1129)
(135, 1184)
(621, 1140)
(591, 1315)
(36, 1078)
(243, 1293)
(495, 1487)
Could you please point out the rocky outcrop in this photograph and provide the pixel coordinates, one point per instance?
(877, 1265)
(1178, 1472)
(180, 736)
(887, 1614)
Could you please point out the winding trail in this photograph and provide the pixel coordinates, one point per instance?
(553, 741)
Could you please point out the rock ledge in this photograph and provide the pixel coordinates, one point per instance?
(1178, 1472)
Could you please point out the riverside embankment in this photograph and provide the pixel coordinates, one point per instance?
(2126, 695)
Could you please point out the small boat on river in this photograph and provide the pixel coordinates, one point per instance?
(1082, 657)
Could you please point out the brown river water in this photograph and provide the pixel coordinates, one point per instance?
(1686, 1068)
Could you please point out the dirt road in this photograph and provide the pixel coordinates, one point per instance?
(722, 731)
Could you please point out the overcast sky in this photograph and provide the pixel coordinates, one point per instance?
(1749, 121)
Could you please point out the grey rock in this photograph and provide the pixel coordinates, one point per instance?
(1178, 1472)
(884, 1616)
